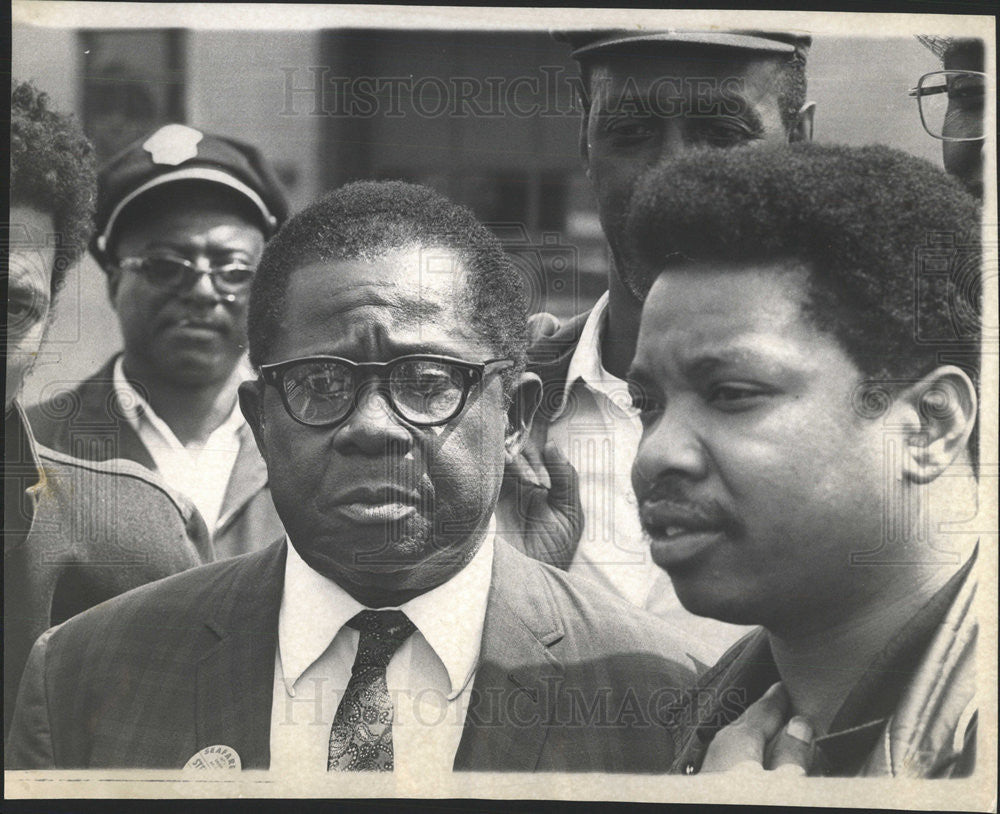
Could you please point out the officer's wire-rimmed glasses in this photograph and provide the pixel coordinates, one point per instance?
(169, 272)
(425, 390)
(951, 104)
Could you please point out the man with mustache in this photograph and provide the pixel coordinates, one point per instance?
(806, 376)
(75, 533)
(646, 96)
(392, 629)
(182, 217)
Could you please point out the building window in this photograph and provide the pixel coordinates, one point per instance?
(133, 82)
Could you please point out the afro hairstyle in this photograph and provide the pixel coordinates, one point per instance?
(891, 243)
(53, 169)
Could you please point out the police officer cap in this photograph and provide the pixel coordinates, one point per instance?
(175, 153)
(943, 47)
(586, 44)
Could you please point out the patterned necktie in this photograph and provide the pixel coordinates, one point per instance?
(361, 736)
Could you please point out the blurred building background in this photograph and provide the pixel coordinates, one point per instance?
(510, 153)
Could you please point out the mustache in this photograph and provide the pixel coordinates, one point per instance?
(669, 502)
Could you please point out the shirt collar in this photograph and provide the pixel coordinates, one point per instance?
(585, 364)
(131, 404)
(135, 408)
(861, 719)
(450, 617)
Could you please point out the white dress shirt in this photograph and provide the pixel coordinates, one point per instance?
(429, 677)
(200, 473)
(599, 431)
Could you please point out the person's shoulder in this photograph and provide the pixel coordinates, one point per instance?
(164, 610)
(137, 497)
(599, 620)
(74, 402)
(123, 473)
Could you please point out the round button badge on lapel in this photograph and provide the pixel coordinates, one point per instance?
(215, 757)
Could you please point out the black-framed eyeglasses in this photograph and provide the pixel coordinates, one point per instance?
(425, 390)
(169, 272)
(951, 104)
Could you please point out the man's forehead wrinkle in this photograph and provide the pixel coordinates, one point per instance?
(379, 294)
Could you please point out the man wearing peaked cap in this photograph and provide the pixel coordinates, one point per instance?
(182, 218)
(586, 43)
(75, 533)
(646, 96)
(177, 152)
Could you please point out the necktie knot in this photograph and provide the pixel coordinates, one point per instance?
(382, 634)
(387, 626)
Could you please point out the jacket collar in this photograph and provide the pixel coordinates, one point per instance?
(915, 692)
(99, 405)
(248, 478)
(861, 721)
(512, 695)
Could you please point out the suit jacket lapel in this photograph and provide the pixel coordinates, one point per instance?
(514, 691)
(248, 477)
(98, 399)
(236, 678)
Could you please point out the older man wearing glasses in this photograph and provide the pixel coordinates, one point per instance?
(182, 217)
(952, 106)
(392, 629)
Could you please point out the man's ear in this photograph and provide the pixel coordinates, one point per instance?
(944, 407)
(526, 398)
(802, 129)
(251, 395)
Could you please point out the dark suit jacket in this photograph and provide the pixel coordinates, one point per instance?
(88, 532)
(569, 677)
(88, 422)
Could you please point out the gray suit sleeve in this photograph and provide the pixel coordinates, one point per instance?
(29, 745)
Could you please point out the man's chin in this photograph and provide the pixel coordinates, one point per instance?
(704, 591)
(193, 366)
(722, 606)
(383, 547)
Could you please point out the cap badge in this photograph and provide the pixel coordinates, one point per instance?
(173, 144)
